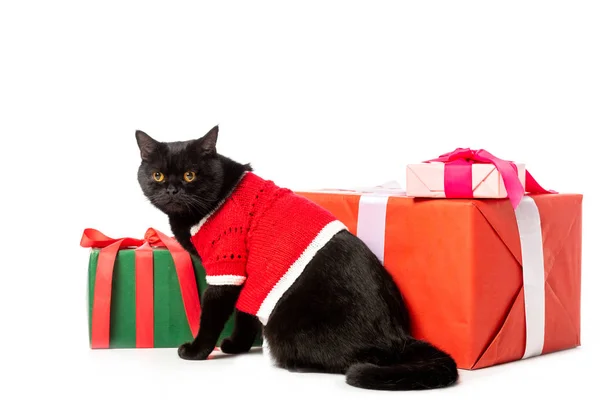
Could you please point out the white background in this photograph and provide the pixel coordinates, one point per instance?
(314, 94)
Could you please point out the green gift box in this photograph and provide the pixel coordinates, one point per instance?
(144, 292)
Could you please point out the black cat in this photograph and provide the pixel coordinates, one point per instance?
(343, 314)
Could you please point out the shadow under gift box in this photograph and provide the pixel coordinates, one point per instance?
(459, 266)
(170, 325)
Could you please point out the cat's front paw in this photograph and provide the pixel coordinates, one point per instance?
(188, 351)
(231, 346)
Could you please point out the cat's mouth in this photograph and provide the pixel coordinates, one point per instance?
(178, 205)
(174, 208)
(169, 205)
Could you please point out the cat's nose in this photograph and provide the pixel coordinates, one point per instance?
(171, 190)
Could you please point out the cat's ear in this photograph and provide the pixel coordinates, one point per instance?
(146, 144)
(207, 144)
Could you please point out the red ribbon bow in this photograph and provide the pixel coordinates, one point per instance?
(458, 178)
(93, 238)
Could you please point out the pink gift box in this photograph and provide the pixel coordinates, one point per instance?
(427, 180)
(465, 173)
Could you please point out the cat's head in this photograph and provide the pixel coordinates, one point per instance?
(180, 178)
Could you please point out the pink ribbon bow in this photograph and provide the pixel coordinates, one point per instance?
(458, 175)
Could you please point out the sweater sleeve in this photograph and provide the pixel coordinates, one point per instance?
(222, 247)
(226, 261)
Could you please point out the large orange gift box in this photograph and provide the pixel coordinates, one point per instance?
(485, 281)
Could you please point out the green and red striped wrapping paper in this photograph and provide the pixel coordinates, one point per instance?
(143, 293)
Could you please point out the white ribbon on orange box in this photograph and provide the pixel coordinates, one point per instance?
(534, 279)
(371, 223)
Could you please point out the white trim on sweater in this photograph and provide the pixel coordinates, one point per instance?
(286, 281)
(220, 280)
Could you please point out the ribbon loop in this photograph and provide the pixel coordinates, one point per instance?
(153, 238)
(93, 238)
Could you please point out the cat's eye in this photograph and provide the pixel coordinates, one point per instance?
(158, 176)
(189, 176)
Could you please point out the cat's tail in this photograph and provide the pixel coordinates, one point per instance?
(416, 365)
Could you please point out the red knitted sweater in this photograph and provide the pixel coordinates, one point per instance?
(261, 236)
